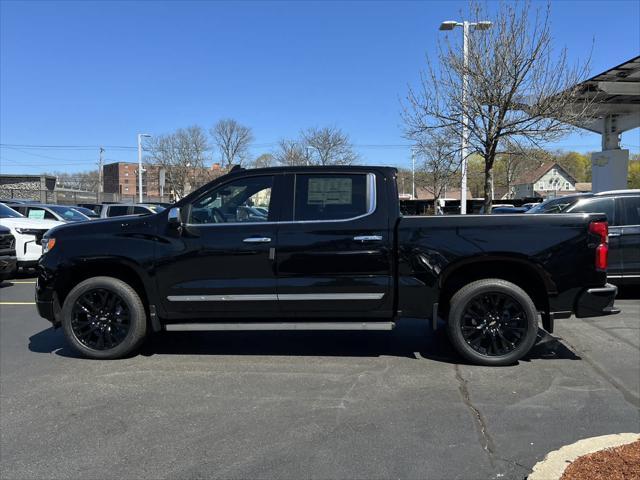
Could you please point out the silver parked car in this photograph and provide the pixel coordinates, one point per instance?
(118, 209)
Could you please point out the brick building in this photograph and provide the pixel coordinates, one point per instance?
(122, 178)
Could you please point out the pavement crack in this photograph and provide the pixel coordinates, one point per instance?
(486, 442)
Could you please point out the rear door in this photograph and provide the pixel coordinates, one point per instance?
(629, 211)
(334, 253)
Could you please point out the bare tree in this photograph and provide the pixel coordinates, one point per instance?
(439, 162)
(328, 146)
(519, 88)
(232, 140)
(290, 153)
(182, 155)
(263, 161)
(87, 181)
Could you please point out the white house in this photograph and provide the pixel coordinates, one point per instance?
(550, 179)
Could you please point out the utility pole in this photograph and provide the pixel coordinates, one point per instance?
(100, 176)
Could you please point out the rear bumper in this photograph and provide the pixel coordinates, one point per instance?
(596, 302)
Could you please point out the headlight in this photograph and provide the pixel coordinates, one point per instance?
(48, 244)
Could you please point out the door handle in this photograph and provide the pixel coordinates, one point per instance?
(368, 238)
(614, 234)
(257, 240)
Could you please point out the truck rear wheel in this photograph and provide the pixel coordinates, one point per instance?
(104, 318)
(492, 322)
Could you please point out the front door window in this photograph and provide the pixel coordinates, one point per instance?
(245, 200)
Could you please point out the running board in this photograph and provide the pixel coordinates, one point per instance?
(198, 327)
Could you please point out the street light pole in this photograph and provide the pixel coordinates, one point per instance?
(413, 175)
(466, 26)
(140, 135)
(465, 120)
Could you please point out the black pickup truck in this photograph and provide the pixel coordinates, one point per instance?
(320, 248)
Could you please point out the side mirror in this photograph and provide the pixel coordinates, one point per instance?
(173, 218)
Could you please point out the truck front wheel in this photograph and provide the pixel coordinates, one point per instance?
(492, 322)
(104, 318)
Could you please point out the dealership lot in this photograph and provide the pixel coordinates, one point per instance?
(301, 404)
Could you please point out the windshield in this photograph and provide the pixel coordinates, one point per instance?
(69, 214)
(6, 212)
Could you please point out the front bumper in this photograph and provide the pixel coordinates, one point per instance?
(597, 302)
(8, 265)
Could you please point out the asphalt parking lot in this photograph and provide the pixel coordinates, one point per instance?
(305, 405)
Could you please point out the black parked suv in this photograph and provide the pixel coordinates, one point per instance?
(623, 213)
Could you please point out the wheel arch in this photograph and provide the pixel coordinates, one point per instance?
(127, 272)
(519, 271)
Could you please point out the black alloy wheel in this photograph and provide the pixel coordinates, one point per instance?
(494, 324)
(101, 319)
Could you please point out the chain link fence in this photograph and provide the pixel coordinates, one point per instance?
(72, 197)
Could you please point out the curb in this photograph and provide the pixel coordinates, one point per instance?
(554, 463)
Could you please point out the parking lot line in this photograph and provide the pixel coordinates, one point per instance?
(12, 281)
(17, 303)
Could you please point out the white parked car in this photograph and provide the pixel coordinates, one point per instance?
(28, 234)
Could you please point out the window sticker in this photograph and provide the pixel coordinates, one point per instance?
(330, 191)
(36, 214)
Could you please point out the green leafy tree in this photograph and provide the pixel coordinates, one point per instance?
(633, 179)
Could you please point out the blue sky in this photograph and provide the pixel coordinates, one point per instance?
(97, 73)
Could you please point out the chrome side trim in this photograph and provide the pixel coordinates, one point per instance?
(274, 297)
(175, 327)
(329, 296)
(222, 298)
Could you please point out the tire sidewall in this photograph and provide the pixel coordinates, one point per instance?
(458, 304)
(137, 330)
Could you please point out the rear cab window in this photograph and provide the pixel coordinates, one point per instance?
(326, 197)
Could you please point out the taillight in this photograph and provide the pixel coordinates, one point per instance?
(602, 250)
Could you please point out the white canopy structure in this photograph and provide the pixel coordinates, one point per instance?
(615, 109)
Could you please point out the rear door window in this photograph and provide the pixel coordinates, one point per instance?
(117, 211)
(141, 211)
(331, 197)
(630, 210)
(40, 214)
(597, 205)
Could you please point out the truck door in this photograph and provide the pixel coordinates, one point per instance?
(334, 253)
(221, 264)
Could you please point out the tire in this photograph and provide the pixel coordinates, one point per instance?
(114, 333)
(492, 322)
